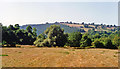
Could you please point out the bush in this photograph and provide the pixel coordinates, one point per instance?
(74, 39)
(108, 44)
(92, 46)
(88, 47)
(118, 47)
(85, 41)
(98, 44)
(116, 41)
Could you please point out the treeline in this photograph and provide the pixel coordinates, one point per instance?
(55, 36)
(13, 35)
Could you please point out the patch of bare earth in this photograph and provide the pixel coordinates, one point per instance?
(59, 57)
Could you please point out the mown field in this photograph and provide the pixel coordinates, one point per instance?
(58, 57)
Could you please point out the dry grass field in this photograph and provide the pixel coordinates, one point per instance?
(58, 57)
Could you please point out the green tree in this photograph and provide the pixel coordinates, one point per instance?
(98, 44)
(11, 38)
(97, 35)
(85, 41)
(116, 41)
(74, 39)
(108, 43)
(4, 35)
(54, 37)
(34, 32)
(26, 36)
(14, 35)
(10, 27)
(8, 35)
(29, 29)
(22, 36)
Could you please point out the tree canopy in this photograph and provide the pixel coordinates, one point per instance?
(54, 37)
(13, 35)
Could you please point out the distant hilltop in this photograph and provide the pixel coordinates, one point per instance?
(92, 23)
(81, 23)
(73, 27)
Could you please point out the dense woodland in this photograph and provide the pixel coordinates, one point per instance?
(13, 35)
(56, 36)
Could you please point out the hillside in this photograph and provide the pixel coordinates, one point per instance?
(87, 27)
(42, 27)
(73, 27)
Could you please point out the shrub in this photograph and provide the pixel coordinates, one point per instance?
(92, 46)
(85, 41)
(74, 39)
(88, 47)
(116, 41)
(39, 40)
(118, 47)
(98, 44)
(108, 44)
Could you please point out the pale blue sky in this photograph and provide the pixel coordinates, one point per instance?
(42, 12)
(59, 0)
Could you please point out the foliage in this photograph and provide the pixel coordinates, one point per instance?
(97, 35)
(98, 44)
(85, 41)
(55, 36)
(13, 35)
(39, 39)
(118, 47)
(108, 43)
(74, 39)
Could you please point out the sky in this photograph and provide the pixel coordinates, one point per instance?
(59, 0)
(41, 12)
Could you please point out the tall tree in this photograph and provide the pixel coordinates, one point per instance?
(10, 27)
(85, 41)
(34, 32)
(29, 29)
(74, 39)
(54, 37)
